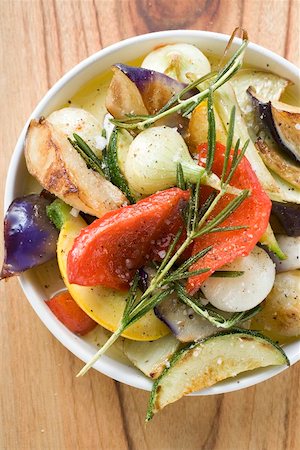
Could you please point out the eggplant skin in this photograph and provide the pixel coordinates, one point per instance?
(182, 321)
(57, 166)
(29, 236)
(287, 124)
(155, 88)
(135, 90)
(288, 215)
(282, 121)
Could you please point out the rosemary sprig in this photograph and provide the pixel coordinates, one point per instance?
(178, 98)
(111, 162)
(180, 177)
(210, 314)
(228, 143)
(108, 166)
(133, 311)
(86, 153)
(188, 105)
(198, 223)
(211, 138)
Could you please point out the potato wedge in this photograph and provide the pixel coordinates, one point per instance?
(53, 161)
(202, 364)
(280, 315)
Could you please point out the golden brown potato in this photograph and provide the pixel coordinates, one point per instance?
(280, 315)
(58, 167)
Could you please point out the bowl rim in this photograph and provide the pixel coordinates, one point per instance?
(107, 365)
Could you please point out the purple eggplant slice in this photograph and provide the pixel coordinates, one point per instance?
(155, 88)
(287, 123)
(278, 162)
(184, 323)
(288, 214)
(29, 236)
(134, 90)
(283, 122)
(123, 97)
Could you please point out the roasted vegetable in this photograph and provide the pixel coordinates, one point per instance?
(76, 120)
(110, 250)
(224, 101)
(58, 212)
(184, 323)
(278, 162)
(288, 215)
(198, 128)
(280, 315)
(267, 85)
(55, 163)
(134, 90)
(155, 88)
(151, 357)
(288, 193)
(152, 161)
(253, 214)
(68, 312)
(202, 364)
(112, 164)
(269, 241)
(29, 236)
(123, 142)
(291, 247)
(287, 124)
(234, 294)
(283, 122)
(103, 305)
(183, 62)
(123, 97)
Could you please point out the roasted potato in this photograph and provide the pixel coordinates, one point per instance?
(55, 163)
(280, 315)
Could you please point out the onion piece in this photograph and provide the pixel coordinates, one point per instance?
(152, 160)
(246, 291)
(183, 62)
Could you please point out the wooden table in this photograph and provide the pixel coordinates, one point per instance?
(43, 406)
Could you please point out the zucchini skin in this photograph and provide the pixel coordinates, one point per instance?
(191, 346)
(112, 169)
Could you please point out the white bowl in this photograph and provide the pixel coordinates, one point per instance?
(66, 87)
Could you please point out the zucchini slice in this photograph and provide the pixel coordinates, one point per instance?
(202, 364)
(118, 141)
(151, 357)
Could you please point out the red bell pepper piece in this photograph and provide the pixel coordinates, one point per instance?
(68, 312)
(110, 250)
(254, 213)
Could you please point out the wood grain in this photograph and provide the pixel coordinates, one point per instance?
(42, 405)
